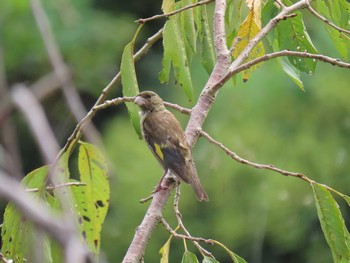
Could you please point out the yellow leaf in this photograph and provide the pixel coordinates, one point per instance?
(247, 31)
(255, 5)
(164, 251)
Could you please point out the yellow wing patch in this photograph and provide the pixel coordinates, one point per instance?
(158, 151)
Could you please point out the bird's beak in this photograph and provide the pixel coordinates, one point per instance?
(139, 101)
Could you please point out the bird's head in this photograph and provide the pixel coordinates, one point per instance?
(149, 101)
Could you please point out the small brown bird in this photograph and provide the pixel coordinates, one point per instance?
(167, 141)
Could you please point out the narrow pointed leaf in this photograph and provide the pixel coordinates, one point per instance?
(129, 82)
(332, 223)
(188, 28)
(235, 258)
(347, 199)
(174, 51)
(209, 260)
(164, 251)
(207, 48)
(293, 73)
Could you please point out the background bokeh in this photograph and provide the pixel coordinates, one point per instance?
(260, 215)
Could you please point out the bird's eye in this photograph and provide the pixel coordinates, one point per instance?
(147, 96)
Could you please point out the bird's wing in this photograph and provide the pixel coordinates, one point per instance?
(166, 139)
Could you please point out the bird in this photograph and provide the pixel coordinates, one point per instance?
(166, 140)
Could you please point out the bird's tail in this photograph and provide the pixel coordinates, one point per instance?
(196, 185)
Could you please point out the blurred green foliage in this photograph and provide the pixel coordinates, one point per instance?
(260, 215)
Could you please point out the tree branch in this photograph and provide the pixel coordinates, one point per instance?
(315, 13)
(271, 167)
(77, 133)
(145, 20)
(252, 164)
(273, 22)
(207, 97)
(69, 91)
(181, 236)
(151, 219)
(283, 53)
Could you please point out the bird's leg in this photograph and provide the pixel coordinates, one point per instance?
(159, 185)
(156, 189)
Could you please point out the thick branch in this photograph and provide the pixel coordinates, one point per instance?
(207, 98)
(150, 221)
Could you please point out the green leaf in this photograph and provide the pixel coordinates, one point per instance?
(235, 258)
(209, 260)
(332, 223)
(174, 51)
(129, 82)
(347, 199)
(189, 32)
(164, 251)
(292, 35)
(340, 40)
(291, 72)
(91, 202)
(207, 48)
(168, 6)
(189, 257)
(17, 233)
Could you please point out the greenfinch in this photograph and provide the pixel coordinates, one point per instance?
(166, 139)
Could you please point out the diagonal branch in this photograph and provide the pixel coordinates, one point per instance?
(145, 20)
(77, 133)
(315, 13)
(283, 53)
(284, 14)
(252, 164)
(70, 92)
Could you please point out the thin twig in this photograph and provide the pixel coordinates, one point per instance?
(182, 226)
(315, 13)
(73, 139)
(53, 187)
(178, 108)
(181, 236)
(141, 52)
(283, 53)
(271, 167)
(77, 133)
(252, 164)
(145, 20)
(279, 2)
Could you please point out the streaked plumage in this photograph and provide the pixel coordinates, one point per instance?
(166, 139)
